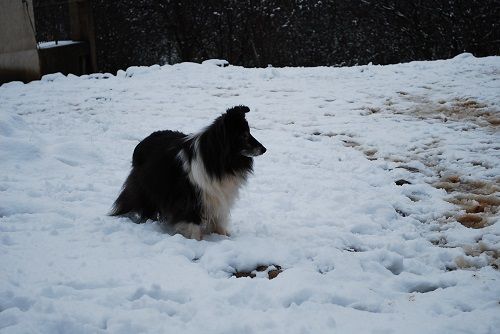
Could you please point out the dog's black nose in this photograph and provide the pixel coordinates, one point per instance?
(263, 150)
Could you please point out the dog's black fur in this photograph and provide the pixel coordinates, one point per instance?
(190, 181)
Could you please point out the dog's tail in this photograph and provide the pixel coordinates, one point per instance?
(122, 205)
(131, 204)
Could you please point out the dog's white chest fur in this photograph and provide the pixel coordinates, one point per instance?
(217, 196)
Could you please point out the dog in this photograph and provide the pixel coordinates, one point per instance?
(191, 181)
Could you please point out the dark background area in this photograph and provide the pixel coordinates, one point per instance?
(256, 33)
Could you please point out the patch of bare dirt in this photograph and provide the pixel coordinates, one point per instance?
(476, 250)
(477, 201)
(272, 271)
(458, 109)
(477, 198)
(471, 110)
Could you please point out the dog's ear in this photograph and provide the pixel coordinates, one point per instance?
(241, 110)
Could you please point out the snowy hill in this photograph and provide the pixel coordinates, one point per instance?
(378, 198)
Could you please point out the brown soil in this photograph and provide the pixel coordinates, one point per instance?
(272, 273)
(477, 198)
(456, 109)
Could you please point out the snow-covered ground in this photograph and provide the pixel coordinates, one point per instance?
(359, 253)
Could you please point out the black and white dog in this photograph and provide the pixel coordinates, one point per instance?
(190, 181)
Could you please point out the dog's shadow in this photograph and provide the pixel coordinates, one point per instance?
(165, 228)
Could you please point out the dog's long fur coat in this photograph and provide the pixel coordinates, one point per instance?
(190, 181)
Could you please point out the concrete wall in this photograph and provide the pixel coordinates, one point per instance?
(18, 51)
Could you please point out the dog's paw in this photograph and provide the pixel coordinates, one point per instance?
(222, 231)
(189, 230)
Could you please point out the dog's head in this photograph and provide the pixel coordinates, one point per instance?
(238, 131)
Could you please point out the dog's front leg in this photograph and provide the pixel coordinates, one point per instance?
(220, 226)
(222, 231)
(189, 230)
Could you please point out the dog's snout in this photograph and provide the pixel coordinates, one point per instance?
(259, 147)
(253, 148)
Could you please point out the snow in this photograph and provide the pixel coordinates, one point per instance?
(216, 62)
(359, 253)
(53, 44)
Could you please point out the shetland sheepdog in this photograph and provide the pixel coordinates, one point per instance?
(190, 182)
